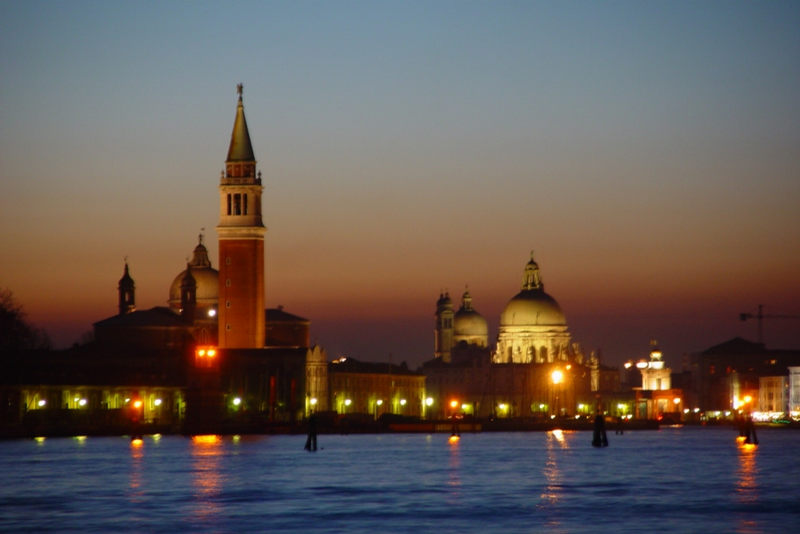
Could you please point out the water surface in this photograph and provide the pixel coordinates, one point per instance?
(670, 480)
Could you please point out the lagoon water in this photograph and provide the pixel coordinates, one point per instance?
(670, 480)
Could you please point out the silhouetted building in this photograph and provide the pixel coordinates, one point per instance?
(727, 373)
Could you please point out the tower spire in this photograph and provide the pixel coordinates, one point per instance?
(127, 292)
(241, 161)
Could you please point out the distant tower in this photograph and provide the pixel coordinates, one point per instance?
(443, 334)
(241, 243)
(188, 295)
(127, 293)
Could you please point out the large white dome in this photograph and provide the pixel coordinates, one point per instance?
(532, 307)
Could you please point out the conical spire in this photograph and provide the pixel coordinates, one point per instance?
(127, 292)
(240, 150)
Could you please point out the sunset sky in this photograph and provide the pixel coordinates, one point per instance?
(648, 152)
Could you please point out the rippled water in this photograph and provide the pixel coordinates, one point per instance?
(671, 480)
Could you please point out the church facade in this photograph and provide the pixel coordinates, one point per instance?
(535, 369)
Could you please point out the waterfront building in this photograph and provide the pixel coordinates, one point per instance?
(374, 389)
(728, 373)
(535, 370)
(214, 355)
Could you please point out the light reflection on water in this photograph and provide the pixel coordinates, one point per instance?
(207, 452)
(675, 480)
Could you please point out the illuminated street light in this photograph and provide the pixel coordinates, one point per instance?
(237, 401)
(557, 376)
(429, 401)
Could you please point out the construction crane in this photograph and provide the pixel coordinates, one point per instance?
(761, 316)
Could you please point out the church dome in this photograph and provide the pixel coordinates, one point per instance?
(467, 322)
(206, 279)
(532, 306)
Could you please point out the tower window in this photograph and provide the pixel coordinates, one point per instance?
(229, 204)
(237, 204)
(245, 204)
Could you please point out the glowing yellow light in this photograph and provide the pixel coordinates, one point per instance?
(42, 403)
(79, 438)
(641, 365)
(569, 366)
(212, 312)
(137, 442)
(628, 365)
(502, 406)
(201, 352)
(157, 402)
(429, 401)
(402, 402)
(454, 404)
(40, 439)
(747, 399)
(211, 353)
(379, 402)
(313, 401)
(82, 402)
(558, 434)
(206, 439)
(740, 439)
(137, 404)
(454, 439)
(156, 437)
(237, 401)
(348, 402)
(557, 376)
(676, 400)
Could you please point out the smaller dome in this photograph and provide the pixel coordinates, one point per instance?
(205, 277)
(468, 324)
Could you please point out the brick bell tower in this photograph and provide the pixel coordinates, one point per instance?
(241, 243)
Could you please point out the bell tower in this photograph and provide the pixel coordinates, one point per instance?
(127, 292)
(241, 243)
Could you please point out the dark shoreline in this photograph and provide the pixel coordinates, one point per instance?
(343, 426)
